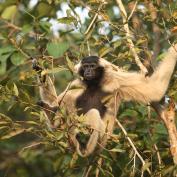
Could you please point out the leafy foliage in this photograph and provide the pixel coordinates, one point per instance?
(53, 32)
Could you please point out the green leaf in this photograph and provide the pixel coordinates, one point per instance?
(67, 20)
(43, 9)
(117, 150)
(17, 59)
(5, 53)
(129, 112)
(146, 166)
(55, 70)
(70, 64)
(117, 44)
(4, 117)
(168, 170)
(6, 50)
(26, 28)
(105, 50)
(26, 108)
(4, 127)
(3, 63)
(63, 144)
(45, 26)
(9, 12)
(12, 133)
(15, 89)
(57, 49)
(160, 129)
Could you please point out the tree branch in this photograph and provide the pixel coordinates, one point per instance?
(128, 35)
(132, 144)
(168, 117)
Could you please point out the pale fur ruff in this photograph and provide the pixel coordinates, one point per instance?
(136, 86)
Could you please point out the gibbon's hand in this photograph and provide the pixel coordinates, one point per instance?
(35, 65)
(38, 69)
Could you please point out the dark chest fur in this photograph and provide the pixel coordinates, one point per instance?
(91, 98)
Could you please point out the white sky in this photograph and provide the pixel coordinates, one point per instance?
(83, 15)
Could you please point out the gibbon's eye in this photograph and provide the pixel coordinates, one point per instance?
(84, 66)
(89, 66)
(93, 66)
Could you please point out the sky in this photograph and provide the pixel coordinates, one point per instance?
(83, 14)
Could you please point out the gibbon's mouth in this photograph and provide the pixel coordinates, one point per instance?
(89, 77)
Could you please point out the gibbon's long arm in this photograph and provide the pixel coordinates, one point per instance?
(135, 86)
(47, 92)
(46, 87)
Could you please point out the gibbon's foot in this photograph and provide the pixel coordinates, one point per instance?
(46, 106)
(41, 103)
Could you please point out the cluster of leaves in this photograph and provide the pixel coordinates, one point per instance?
(27, 145)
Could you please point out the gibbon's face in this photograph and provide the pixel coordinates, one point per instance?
(90, 69)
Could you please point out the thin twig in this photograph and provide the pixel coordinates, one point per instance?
(128, 35)
(134, 163)
(132, 144)
(93, 20)
(99, 164)
(168, 117)
(9, 25)
(134, 7)
(19, 49)
(154, 145)
(88, 47)
(87, 171)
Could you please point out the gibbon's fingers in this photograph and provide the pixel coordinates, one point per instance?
(35, 65)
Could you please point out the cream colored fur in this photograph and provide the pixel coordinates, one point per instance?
(136, 86)
(121, 85)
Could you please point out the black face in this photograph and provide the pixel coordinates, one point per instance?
(90, 70)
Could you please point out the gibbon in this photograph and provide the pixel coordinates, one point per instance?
(97, 94)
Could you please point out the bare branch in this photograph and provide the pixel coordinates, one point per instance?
(133, 10)
(168, 117)
(156, 31)
(132, 144)
(128, 35)
(93, 20)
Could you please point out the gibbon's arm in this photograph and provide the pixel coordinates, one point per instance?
(47, 92)
(46, 87)
(135, 86)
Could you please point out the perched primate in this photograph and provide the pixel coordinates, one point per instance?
(98, 93)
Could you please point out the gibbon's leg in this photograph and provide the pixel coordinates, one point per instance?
(135, 86)
(93, 120)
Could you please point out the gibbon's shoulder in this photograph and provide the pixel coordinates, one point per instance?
(110, 80)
